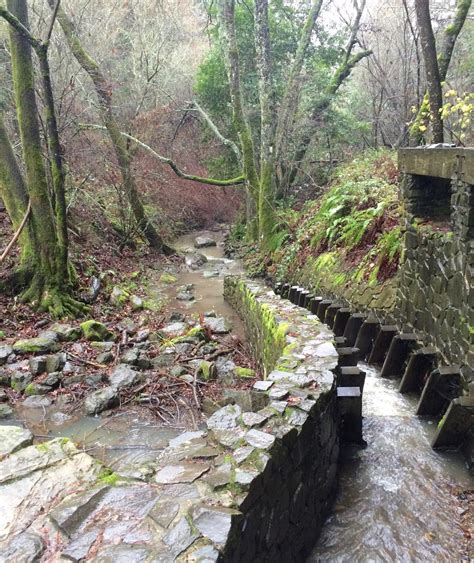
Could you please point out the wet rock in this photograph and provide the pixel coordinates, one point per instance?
(96, 331)
(5, 411)
(13, 438)
(70, 514)
(20, 380)
(174, 329)
(225, 418)
(5, 352)
(37, 365)
(48, 342)
(195, 260)
(259, 439)
(210, 274)
(55, 363)
(217, 325)
(36, 402)
(124, 377)
(26, 547)
(184, 473)
(214, 522)
(179, 538)
(79, 548)
(101, 400)
(65, 332)
(164, 512)
(136, 303)
(204, 242)
(118, 296)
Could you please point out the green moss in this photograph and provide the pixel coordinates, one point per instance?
(108, 477)
(168, 278)
(96, 331)
(244, 372)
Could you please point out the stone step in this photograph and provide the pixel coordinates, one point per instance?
(420, 364)
(323, 306)
(351, 376)
(443, 385)
(353, 325)
(455, 425)
(331, 312)
(349, 402)
(340, 321)
(400, 348)
(366, 337)
(382, 343)
(348, 356)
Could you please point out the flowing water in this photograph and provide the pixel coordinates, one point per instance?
(396, 497)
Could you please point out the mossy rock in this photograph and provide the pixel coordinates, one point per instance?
(40, 344)
(66, 332)
(244, 372)
(155, 305)
(119, 296)
(168, 278)
(96, 331)
(136, 303)
(207, 370)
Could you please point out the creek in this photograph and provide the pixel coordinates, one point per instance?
(396, 499)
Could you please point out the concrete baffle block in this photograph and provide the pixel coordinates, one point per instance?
(331, 312)
(382, 344)
(302, 299)
(420, 364)
(340, 321)
(443, 385)
(351, 376)
(285, 290)
(315, 304)
(277, 288)
(292, 293)
(340, 342)
(456, 424)
(397, 355)
(348, 356)
(323, 306)
(349, 401)
(307, 300)
(366, 337)
(353, 325)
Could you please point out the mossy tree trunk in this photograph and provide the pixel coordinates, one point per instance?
(47, 259)
(103, 90)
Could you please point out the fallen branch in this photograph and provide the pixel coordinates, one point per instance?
(7, 250)
(199, 179)
(88, 362)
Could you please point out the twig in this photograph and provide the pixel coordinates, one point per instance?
(7, 250)
(88, 362)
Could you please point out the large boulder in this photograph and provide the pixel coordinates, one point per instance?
(101, 400)
(96, 331)
(204, 242)
(195, 260)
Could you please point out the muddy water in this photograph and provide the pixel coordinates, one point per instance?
(395, 502)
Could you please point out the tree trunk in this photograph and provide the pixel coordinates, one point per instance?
(104, 93)
(433, 77)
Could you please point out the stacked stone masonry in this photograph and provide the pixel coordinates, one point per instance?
(254, 483)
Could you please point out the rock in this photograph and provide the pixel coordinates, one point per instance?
(175, 329)
(136, 303)
(37, 365)
(225, 369)
(104, 346)
(37, 389)
(253, 419)
(13, 438)
(262, 385)
(26, 547)
(206, 370)
(177, 316)
(180, 537)
(244, 372)
(142, 335)
(217, 325)
(118, 296)
(5, 411)
(183, 473)
(185, 296)
(204, 242)
(214, 522)
(195, 260)
(259, 439)
(225, 418)
(101, 400)
(41, 344)
(96, 331)
(164, 512)
(178, 371)
(128, 325)
(163, 361)
(55, 363)
(206, 554)
(209, 348)
(20, 380)
(130, 356)
(105, 358)
(66, 333)
(184, 348)
(210, 274)
(124, 377)
(5, 377)
(36, 402)
(168, 278)
(3, 396)
(5, 352)
(247, 400)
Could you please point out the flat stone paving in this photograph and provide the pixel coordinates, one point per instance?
(58, 503)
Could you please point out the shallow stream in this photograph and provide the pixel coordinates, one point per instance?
(396, 497)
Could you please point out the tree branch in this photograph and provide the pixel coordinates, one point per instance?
(20, 28)
(7, 250)
(51, 23)
(227, 142)
(168, 161)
